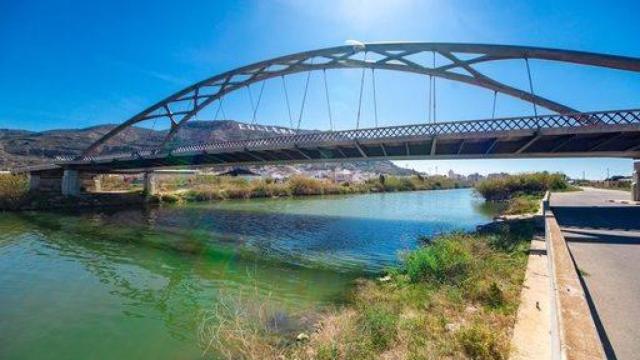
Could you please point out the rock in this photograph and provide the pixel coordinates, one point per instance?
(452, 327)
(471, 309)
(302, 337)
(385, 278)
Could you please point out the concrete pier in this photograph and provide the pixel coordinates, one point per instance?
(70, 183)
(150, 183)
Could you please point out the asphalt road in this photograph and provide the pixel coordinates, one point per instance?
(604, 240)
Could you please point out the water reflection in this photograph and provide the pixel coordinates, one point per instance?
(144, 276)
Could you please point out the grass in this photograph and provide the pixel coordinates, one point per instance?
(613, 185)
(118, 183)
(523, 204)
(208, 188)
(455, 297)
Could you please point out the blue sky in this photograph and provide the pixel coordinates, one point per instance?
(81, 63)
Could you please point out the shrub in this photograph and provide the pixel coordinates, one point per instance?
(445, 260)
(507, 187)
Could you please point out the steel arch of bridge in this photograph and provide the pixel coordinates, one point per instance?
(390, 56)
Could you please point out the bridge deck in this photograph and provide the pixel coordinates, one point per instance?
(598, 134)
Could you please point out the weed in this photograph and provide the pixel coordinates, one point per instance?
(445, 260)
(481, 342)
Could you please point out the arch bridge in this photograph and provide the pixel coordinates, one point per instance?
(567, 132)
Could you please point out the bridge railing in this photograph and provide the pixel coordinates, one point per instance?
(555, 121)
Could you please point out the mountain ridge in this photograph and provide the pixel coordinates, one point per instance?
(24, 147)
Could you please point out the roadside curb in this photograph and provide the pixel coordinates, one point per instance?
(574, 335)
(532, 331)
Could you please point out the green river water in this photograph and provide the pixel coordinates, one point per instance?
(136, 283)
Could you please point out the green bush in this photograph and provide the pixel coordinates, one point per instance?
(445, 260)
(507, 187)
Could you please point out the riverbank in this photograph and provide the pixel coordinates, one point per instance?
(454, 297)
(211, 188)
(15, 195)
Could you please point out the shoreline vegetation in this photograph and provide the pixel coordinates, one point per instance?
(521, 193)
(15, 195)
(211, 188)
(454, 297)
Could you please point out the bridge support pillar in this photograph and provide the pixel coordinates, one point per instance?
(70, 183)
(150, 183)
(635, 186)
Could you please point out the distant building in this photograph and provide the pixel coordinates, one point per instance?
(452, 175)
(475, 177)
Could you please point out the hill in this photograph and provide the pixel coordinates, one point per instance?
(22, 147)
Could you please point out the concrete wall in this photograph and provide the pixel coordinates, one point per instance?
(574, 334)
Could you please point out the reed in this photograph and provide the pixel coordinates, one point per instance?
(207, 187)
(13, 190)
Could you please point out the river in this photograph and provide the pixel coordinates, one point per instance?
(135, 283)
